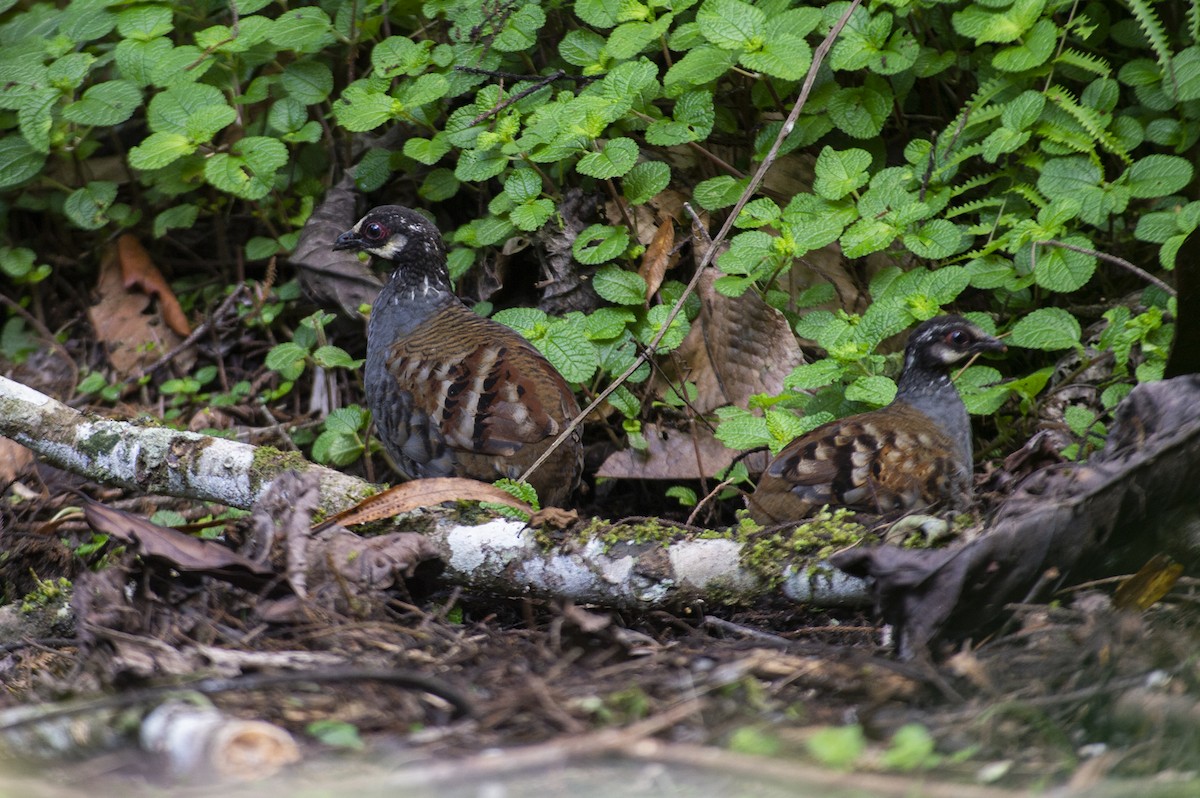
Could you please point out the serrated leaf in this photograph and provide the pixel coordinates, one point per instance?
(616, 159)
(399, 55)
(159, 150)
(86, 207)
(719, 192)
(179, 216)
(607, 322)
(426, 151)
(1158, 175)
(287, 359)
(310, 82)
(346, 420)
(739, 429)
(782, 56)
(568, 349)
(619, 286)
(105, 104)
(335, 357)
(532, 214)
(248, 171)
(522, 185)
(304, 29)
(476, 166)
(935, 239)
(731, 24)
(839, 173)
(697, 67)
(599, 243)
(862, 110)
(810, 376)
(874, 390)
(645, 180)
(1059, 269)
(1049, 329)
(363, 107)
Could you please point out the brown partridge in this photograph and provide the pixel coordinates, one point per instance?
(915, 453)
(453, 393)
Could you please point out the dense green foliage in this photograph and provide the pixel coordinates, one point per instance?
(958, 138)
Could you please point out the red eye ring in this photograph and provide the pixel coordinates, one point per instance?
(374, 231)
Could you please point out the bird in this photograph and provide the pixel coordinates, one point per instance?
(912, 454)
(453, 393)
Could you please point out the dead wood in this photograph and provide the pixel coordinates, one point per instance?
(1132, 499)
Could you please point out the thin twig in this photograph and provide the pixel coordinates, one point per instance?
(705, 259)
(211, 321)
(1124, 264)
(45, 333)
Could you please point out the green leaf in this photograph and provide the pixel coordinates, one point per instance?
(731, 24)
(249, 170)
(739, 429)
(619, 286)
(287, 359)
(581, 48)
(305, 29)
(719, 192)
(810, 376)
(837, 747)
(982, 390)
(105, 104)
(145, 22)
(86, 207)
(607, 322)
(532, 214)
(599, 243)
(310, 82)
(654, 319)
(873, 390)
(180, 216)
(1035, 49)
(698, 67)
(1048, 329)
(839, 173)
(159, 150)
(426, 151)
(782, 56)
(522, 185)
(568, 349)
(34, 118)
(861, 111)
(335, 357)
(363, 107)
(616, 159)
(174, 110)
(1158, 175)
(645, 180)
(399, 55)
(935, 239)
(476, 166)
(1059, 269)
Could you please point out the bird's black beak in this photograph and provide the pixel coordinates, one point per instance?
(988, 344)
(347, 240)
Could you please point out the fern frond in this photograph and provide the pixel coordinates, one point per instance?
(1089, 120)
(1085, 61)
(1193, 17)
(974, 206)
(1029, 193)
(973, 183)
(1156, 34)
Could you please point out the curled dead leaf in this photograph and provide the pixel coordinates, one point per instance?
(409, 496)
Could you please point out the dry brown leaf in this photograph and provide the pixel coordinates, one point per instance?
(409, 496)
(138, 270)
(659, 257)
(14, 460)
(182, 552)
(671, 454)
(133, 336)
(738, 347)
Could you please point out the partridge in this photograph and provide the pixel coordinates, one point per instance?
(914, 453)
(453, 393)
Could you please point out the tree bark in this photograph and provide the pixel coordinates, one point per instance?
(500, 556)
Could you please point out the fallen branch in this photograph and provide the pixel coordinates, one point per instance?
(501, 556)
(157, 460)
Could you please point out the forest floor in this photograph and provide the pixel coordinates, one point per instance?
(448, 692)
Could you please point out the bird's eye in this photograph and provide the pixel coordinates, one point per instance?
(374, 231)
(958, 338)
